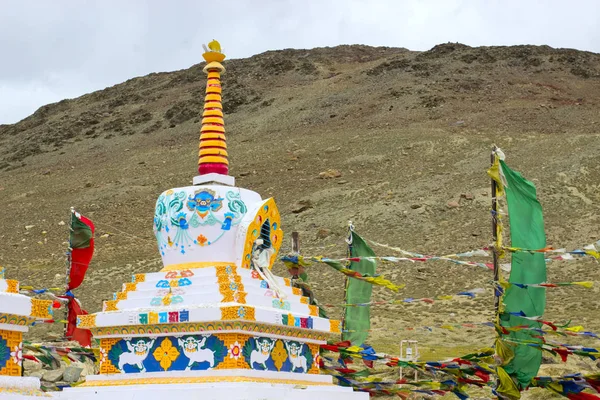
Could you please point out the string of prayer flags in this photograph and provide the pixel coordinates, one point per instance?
(471, 294)
(571, 386)
(374, 280)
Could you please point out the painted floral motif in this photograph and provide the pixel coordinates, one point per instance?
(201, 239)
(17, 354)
(279, 355)
(175, 214)
(235, 350)
(165, 354)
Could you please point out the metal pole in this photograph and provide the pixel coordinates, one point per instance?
(495, 238)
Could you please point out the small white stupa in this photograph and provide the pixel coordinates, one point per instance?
(214, 323)
(17, 313)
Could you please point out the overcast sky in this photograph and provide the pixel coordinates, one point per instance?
(56, 49)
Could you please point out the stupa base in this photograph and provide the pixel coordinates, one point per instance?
(217, 385)
(21, 388)
(213, 391)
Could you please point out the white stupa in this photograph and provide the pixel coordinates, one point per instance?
(17, 314)
(214, 323)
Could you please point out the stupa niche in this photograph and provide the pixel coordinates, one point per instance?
(17, 314)
(214, 322)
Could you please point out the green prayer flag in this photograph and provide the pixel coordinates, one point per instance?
(526, 231)
(357, 320)
(81, 234)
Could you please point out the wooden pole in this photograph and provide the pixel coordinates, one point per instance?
(68, 272)
(495, 238)
(295, 243)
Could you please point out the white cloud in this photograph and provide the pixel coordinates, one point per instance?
(65, 48)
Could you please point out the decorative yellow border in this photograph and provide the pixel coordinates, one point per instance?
(268, 210)
(19, 320)
(190, 328)
(194, 265)
(175, 381)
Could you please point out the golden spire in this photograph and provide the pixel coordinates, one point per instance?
(212, 157)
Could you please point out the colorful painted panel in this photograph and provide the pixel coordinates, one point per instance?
(185, 353)
(202, 352)
(11, 354)
(264, 354)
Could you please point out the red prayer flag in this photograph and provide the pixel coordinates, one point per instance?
(83, 336)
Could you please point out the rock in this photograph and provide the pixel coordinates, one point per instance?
(452, 204)
(88, 184)
(302, 206)
(323, 233)
(52, 375)
(88, 368)
(61, 223)
(548, 360)
(342, 182)
(32, 366)
(72, 374)
(35, 374)
(332, 149)
(467, 196)
(28, 227)
(415, 206)
(330, 173)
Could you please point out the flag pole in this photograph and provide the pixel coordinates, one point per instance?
(347, 281)
(68, 273)
(495, 238)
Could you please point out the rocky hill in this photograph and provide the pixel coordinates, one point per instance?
(395, 140)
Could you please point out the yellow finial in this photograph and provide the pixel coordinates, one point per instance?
(213, 53)
(214, 46)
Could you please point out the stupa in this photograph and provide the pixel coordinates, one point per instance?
(214, 322)
(17, 313)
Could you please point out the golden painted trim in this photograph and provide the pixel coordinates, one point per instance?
(41, 309)
(244, 313)
(187, 380)
(13, 286)
(212, 326)
(130, 287)
(121, 296)
(87, 320)
(334, 325)
(139, 278)
(111, 305)
(314, 311)
(196, 265)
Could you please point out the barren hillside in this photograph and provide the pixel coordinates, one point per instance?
(407, 133)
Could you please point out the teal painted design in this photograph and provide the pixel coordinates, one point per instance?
(175, 214)
(170, 353)
(4, 353)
